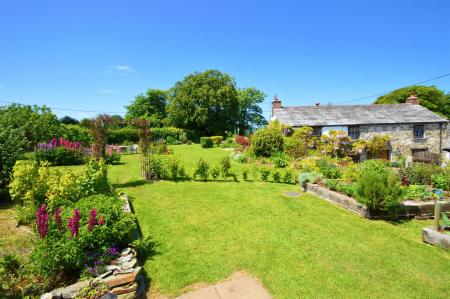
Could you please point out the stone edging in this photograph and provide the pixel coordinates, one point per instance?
(408, 209)
(429, 235)
(123, 277)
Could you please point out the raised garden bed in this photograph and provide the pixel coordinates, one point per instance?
(431, 236)
(408, 209)
(122, 278)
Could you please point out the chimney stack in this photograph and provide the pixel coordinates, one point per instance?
(276, 104)
(412, 99)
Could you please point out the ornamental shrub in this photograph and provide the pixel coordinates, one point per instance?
(206, 142)
(419, 173)
(12, 149)
(329, 169)
(378, 187)
(242, 140)
(214, 171)
(33, 185)
(265, 172)
(288, 177)
(83, 239)
(201, 170)
(217, 140)
(267, 141)
(276, 176)
(157, 169)
(280, 160)
(294, 147)
(225, 167)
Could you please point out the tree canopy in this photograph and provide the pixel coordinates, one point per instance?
(430, 97)
(67, 120)
(38, 124)
(150, 105)
(206, 102)
(250, 115)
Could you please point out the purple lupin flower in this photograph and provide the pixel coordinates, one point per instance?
(113, 250)
(92, 219)
(42, 221)
(74, 223)
(57, 217)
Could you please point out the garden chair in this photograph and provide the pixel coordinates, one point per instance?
(133, 148)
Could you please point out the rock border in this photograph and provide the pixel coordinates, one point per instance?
(123, 276)
(408, 209)
(430, 236)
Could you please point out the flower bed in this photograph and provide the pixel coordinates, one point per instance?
(121, 276)
(60, 152)
(407, 209)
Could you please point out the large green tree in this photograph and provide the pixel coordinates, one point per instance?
(250, 115)
(430, 97)
(38, 124)
(207, 103)
(150, 105)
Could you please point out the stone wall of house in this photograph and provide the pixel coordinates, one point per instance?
(402, 137)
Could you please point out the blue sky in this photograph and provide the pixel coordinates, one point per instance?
(97, 55)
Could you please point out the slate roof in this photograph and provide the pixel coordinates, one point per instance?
(341, 115)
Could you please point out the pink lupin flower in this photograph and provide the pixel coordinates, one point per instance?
(57, 217)
(42, 221)
(74, 223)
(92, 219)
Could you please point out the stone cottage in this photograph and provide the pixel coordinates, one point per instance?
(414, 130)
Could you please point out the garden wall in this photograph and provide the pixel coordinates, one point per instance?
(408, 209)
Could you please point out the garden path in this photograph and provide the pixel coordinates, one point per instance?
(242, 287)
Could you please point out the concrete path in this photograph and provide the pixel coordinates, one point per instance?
(242, 287)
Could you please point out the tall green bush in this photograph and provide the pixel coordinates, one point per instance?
(378, 187)
(267, 141)
(206, 142)
(12, 149)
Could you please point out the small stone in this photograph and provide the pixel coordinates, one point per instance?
(126, 271)
(47, 296)
(113, 281)
(57, 293)
(122, 259)
(126, 251)
(100, 277)
(112, 268)
(72, 290)
(127, 296)
(108, 295)
(125, 289)
(128, 265)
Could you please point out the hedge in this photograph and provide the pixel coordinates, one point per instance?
(170, 135)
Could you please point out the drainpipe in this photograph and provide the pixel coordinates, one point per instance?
(440, 139)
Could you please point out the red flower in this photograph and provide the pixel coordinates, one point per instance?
(101, 221)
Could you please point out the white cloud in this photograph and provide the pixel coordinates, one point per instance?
(107, 91)
(125, 68)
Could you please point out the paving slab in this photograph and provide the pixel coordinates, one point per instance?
(204, 293)
(242, 287)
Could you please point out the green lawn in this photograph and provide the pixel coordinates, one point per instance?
(298, 247)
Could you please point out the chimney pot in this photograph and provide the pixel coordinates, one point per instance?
(412, 99)
(317, 104)
(276, 104)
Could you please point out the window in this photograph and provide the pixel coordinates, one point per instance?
(353, 132)
(317, 131)
(419, 131)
